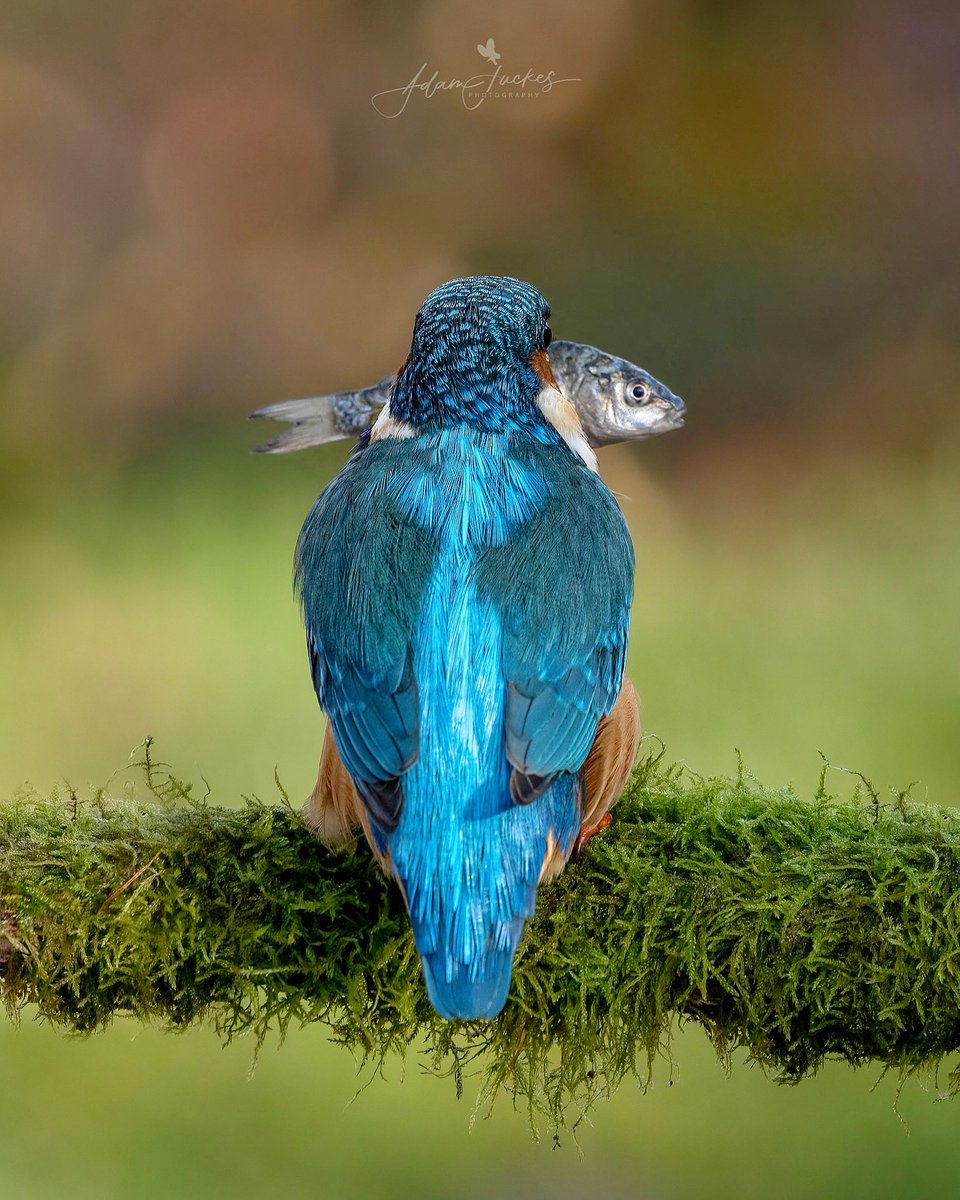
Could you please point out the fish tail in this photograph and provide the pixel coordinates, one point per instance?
(315, 431)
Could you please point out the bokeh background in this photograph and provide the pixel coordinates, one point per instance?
(201, 212)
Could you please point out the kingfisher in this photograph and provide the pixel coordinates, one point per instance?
(466, 583)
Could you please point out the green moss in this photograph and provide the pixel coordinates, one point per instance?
(794, 929)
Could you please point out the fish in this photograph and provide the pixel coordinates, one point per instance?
(616, 400)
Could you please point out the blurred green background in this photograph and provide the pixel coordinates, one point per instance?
(201, 212)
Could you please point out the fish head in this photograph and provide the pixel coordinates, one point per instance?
(643, 405)
(617, 400)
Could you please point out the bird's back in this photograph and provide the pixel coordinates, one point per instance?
(469, 858)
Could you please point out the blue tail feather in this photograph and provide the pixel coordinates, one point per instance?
(467, 926)
(458, 992)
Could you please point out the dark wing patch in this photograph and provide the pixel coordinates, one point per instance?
(563, 586)
(360, 571)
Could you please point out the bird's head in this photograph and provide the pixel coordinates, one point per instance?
(477, 356)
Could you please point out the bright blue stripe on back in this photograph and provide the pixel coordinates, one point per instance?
(468, 858)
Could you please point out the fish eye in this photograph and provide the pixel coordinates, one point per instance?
(547, 336)
(639, 393)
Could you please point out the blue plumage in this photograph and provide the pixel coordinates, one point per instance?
(466, 584)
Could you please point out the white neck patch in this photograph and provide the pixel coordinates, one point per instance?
(553, 404)
(386, 427)
(563, 417)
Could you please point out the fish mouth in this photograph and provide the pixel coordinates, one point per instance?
(673, 412)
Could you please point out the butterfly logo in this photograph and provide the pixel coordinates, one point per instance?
(489, 51)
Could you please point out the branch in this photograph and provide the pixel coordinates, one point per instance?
(796, 930)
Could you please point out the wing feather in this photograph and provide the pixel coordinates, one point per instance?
(360, 571)
(563, 585)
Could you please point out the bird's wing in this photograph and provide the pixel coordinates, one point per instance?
(360, 572)
(563, 585)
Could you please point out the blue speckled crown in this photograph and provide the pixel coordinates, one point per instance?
(470, 357)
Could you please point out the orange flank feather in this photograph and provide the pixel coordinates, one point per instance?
(333, 808)
(605, 772)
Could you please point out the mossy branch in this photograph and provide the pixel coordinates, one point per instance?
(796, 930)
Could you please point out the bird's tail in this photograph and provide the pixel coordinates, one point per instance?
(468, 921)
(470, 991)
(459, 995)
